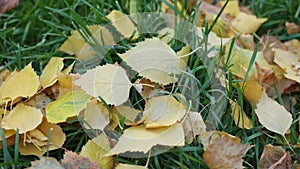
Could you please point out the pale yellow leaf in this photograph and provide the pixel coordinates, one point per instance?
(51, 71)
(239, 116)
(110, 82)
(225, 152)
(245, 23)
(193, 126)
(76, 45)
(140, 139)
(20, 84)
(163, 111)
(272, 115)
(232, 7)
(23, 117)
(96, 116)
(209, 137)
(66, 106)
(289, 62)
(129, 166)
(155, 60)
(96, 149)
(46, 163)
(122, 23)
(130, 114)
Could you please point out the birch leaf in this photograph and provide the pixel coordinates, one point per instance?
(239, 116)
(20, 84)
(193, 126)
(72, 160)
(225, 152)
(122, 23)
(66, 106)
(23, 117)
(140, 139)
(46, 163)
(163, 111)
(130, 114)
(129, 166)
(50, 73)
(290, 62)
(252, 22)
(96, 149)
(272, 115)
(110, 82)
(76, 45)
(155, 60)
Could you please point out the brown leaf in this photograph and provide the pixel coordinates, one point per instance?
(274, 157)
(292, 28)
(193, 126)
(225, 153)
(6, 5)
(72, 160)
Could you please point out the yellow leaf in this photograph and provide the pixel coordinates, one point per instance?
(252, 90)
(245, 23)
(68, 70)
(272, 115)
(51, 71)
(96, 116)
(130, 114)
(290, 62)
(129, 166)
(66, 106)
(155, 60)
(193, 126)
(225, 152)
(96, 149)
(163, 111)
(232, 7)
(122, 23)
(140, 139)
(20, 84)
(7, 133)
(76, 45)
(57, 139)
(207, 138)
(239, 116)
(110, 82)
(23, 117)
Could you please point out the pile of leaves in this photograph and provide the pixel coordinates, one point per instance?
(34, 108)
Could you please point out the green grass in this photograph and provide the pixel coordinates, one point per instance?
(33, 32)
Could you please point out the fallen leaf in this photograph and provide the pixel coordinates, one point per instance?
(140, 139)
(292, 28)
(46, 163)
(20, 84)
(6, 5)
(57, 139)
(193, 126)
(225, 152)
(22, 117)
(39, 101)
(155, 60)
(110, 82)
(209, 137)
(274, 157)
(50, 72)
(95, 115)
(272, 115)
(129, 166)
(76, 45)
(130, 114)
(252, 90)
(252, 22)
(163, 111)
(122, 23)
(96, 149)
(66, 106)
(239, 116)
(72, 160)
(289, 62)
(232, 7)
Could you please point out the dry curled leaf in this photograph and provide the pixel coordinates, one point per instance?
(225, 152)
(274, 157)
(272, 115)
(72, 160)
(193, 126)
(109, 82)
